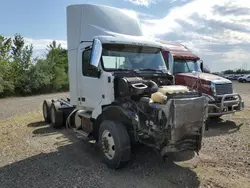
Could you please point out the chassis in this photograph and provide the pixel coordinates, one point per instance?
(172, 127)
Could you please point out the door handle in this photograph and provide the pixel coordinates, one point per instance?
(81, 99)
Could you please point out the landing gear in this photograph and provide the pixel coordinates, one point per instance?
(114, 144)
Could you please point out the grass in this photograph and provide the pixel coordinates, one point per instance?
(23, 119)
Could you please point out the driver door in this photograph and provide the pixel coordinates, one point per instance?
(90, 86)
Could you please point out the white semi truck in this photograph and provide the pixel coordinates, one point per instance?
(121, 92)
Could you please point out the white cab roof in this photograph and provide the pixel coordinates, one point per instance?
(86, 21)
(128, 39)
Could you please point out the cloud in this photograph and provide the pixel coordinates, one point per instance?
(145, 3)
(218, 31)
(236, 55)
(231, 10)
(174, 1)
(193, 12)
(39, 45)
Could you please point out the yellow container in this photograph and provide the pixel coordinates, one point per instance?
(173, 89)
(158, 97)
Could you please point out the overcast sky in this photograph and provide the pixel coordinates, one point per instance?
(216, 30)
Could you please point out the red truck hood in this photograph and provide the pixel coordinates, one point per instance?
(207, 77)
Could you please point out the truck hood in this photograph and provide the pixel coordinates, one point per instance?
(207, 77)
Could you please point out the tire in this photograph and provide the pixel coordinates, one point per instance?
(46, 110)
(56, 115)
(243, 81)
(120, 151)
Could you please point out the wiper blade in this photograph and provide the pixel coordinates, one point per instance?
(142, 69)
(148, 69)
(122, 69)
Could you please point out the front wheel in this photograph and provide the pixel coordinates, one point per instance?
(114, 144)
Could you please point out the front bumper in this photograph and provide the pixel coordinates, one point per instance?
(223, 106)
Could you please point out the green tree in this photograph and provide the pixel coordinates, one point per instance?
(58, 61)
(5, 47)
(21, 74)
(22, 61)
(238, 71)
(6, 79)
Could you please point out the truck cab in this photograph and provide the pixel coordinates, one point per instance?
(187, 69)
(121, 91)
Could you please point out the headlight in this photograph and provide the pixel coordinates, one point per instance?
(212, 85)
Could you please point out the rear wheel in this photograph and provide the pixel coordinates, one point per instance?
(56, 115)
(114, 144)
(46, 110)
(243, 81)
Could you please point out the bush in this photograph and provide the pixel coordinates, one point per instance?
(20, 74)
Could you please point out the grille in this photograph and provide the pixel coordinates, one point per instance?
(222, 89)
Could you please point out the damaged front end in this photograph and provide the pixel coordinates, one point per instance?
(175, 126)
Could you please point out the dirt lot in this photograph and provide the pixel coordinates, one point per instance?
(34, 155)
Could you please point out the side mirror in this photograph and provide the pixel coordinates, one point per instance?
(201, 66)
(96, 53)
(170, 62)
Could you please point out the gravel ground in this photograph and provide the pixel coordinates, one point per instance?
(20, 105)
(34, 155)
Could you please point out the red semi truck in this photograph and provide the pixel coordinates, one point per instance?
(187, 69)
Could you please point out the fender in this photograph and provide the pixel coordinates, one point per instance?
(118, 113)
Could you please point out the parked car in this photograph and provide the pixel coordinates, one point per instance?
(235, 77)
(244, 79)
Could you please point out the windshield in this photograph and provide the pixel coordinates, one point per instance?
(184, 66)
(131, 57)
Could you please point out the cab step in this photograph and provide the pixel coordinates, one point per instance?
(86, 114)
(83, 135)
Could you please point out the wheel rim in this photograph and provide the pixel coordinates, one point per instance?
(108, 144)
(45, 113)
(53, 115)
